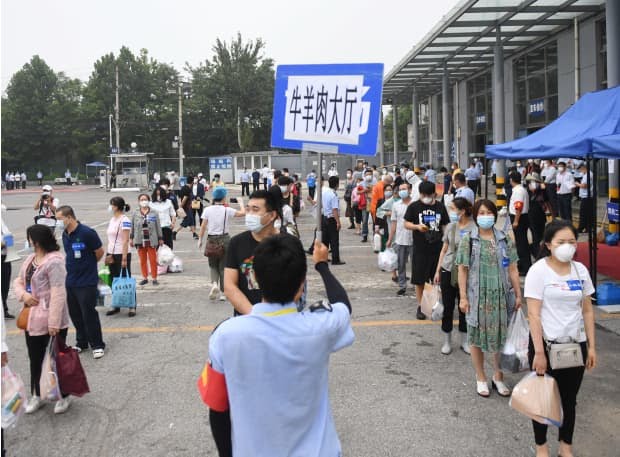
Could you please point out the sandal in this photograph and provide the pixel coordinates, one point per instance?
(482, 388)
(132, 312)
(502, 389)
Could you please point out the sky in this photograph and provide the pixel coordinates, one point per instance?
(70, 35)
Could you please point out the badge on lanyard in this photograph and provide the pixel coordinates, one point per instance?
(505, 259)
(29, 288)
(77, 250)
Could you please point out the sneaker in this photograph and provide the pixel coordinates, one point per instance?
(195, 236)
(214, 291)
(365, 239)
(113, 311)
(33, 404)
(222, 297)
(420, 315)
(98, 353)
(77, 349)
(143, 282)
(155, 282)
(401, 291)
(62, 405)
(8, 316)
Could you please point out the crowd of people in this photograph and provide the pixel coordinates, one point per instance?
(449, 239)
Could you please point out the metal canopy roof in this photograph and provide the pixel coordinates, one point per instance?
(464, 40)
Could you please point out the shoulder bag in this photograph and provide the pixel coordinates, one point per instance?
(566, 355)
(214, 249)
(109, 258)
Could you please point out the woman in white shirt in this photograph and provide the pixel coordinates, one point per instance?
(216, 221)
(167, 216)
(558, 292)
(118, 243)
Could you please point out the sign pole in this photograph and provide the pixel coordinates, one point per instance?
(319, 201)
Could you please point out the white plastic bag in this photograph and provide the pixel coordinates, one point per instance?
(13, 397)
(165, 256)
(376, 242)
(514, 355)
(437, 311)
(388, 260)
(104, 289)
(431, 301)
(176, 266)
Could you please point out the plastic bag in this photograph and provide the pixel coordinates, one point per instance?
(13, 397)
(176, 266)
(514, 355)
(437, 311)
(538, 397)
(104, 290)
(376, 242)
(50, 389)
(124, 291)
(104, 275)
(165, 256)
(388, 260)
(431, 299)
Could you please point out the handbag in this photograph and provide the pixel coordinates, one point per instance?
(195, 204)
(124, 291)
(181, 214)
(22, 318)
(71, 375)
(214, 249)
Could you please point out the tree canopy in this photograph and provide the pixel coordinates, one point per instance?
(50, 121)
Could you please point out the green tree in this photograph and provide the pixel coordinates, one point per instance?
(403, 119)
(232, 97)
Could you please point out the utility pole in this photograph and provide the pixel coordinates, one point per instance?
(180, 92)
(116, 113)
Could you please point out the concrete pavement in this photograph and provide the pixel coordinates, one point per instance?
(392, 392)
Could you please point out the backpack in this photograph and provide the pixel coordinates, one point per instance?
(311, 181)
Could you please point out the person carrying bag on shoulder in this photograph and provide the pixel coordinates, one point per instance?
(562, 338)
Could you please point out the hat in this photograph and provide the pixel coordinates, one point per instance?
(417, 170)
(219, 193)
(533, 177)
(47, 188)
(200, 175)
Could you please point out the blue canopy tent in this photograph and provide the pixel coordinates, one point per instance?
(589, 129)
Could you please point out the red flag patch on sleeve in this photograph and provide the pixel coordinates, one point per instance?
(212, 387)
(518, 205)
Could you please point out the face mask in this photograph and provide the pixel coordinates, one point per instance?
(454, 216)
(368, 178)
(427, 200)
(561, 169)
(530, 161)
(387, 194)
(348, 175)
(144, 203)
(110, 209)
(165, 187)
(61, 224)
(284, 189)
(533, 186)
(253, 223)
(28, 247)
(564, 252)
(485, 222)
(519, 164)
(403, 193)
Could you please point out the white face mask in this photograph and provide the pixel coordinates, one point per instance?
(253, 222)
(164, 186)
(144, 203)
(284, 189)
(368, 178)
(561, 169)
(387, 194)
(564, 252)
(110, 209)
(427, 200)
(533, 186)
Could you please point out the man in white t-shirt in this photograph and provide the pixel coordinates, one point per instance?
(566, 183)
(265, 175)
(400, 238)
(518, 209)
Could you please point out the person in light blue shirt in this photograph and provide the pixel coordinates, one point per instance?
(266, 381)
(331, 219)
(462, 190)
(472, 175)
(430, 174)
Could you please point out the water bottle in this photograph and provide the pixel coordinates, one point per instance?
(376, 242)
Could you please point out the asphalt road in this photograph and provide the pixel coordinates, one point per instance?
(392, 392)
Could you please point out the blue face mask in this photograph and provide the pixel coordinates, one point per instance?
(403, 193)
(485, 222)
(454, 216)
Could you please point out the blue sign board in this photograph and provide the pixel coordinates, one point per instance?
(613, 212)
(220, 163)
(536, 107)
(328, 108)
(481, 119)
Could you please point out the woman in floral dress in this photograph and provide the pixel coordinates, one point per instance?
(490, 292)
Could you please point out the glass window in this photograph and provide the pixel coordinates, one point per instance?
(536, 86)
(552, 111)
(552, 82)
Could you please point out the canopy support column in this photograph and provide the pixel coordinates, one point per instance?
(445, 114)
(381, 142)
(395, 131)
(498, 115)
(414, 127)
(612, 22)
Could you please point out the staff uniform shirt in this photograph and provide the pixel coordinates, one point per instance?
(565, 182)
(519, 196)
(466, 193)
(549, 174)
(218, 219)
(245, 177)
(165, 210)
(561, 313)
(115, 230)
(255, 176)
(583, 191)
(330, 202)
(265, 172)
(81, 271)
(430, 175)
(275, 362)
(472, 174)
(402, 236)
